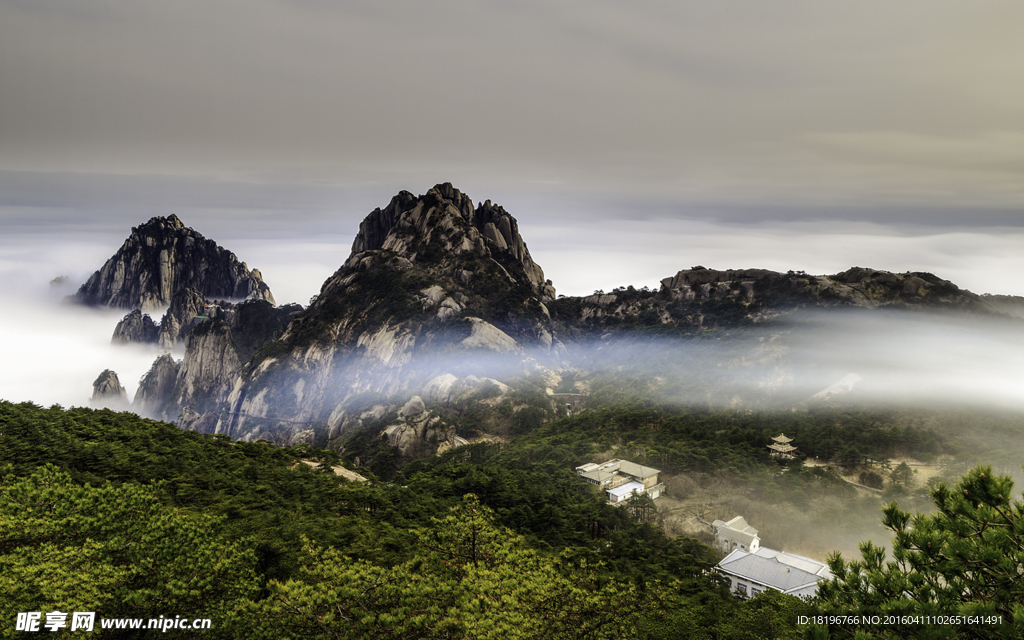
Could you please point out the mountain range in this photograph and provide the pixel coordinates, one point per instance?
(440, 305)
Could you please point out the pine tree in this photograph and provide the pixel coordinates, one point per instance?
(966, 559)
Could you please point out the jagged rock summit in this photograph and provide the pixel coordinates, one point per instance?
(444, 221)
(431, 280)
(160, 258)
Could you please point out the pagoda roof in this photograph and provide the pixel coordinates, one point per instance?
(782, 438)
(782, 448)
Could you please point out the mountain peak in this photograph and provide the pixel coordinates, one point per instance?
(444, 225)
(163, 256)
(164, 222)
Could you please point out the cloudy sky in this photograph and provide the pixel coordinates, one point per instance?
(630, 139)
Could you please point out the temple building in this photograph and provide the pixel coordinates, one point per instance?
(781, 447)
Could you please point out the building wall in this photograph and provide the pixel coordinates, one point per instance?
(745, 587)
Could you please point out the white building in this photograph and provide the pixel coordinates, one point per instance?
(621, 479)
(751, 573)
(735, 534)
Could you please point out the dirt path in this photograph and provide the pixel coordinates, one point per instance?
(340, 471)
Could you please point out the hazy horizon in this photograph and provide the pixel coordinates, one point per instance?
(629, 141)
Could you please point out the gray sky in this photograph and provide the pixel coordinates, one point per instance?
(630, 139)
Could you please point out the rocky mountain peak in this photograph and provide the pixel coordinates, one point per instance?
(107, 392)
(159, 224)
(442, 225)
(163, 256)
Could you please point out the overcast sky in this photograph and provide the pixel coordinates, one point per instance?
(631, 139)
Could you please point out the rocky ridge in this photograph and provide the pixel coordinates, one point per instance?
(699, 299)
(437, 296)
(216, 346)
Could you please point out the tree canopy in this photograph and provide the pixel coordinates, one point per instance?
(964, 560)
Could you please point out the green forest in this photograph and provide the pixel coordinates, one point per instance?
(132, 518)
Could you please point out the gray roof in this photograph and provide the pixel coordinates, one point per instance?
(599, 475)
(800, 562)
(736, 529)
(601, 472)
(637, 470)
(770, 572)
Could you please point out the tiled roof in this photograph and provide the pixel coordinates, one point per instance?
(737, 529)
(769, 571)
(601, 472)
(636, 470)
(800, 562)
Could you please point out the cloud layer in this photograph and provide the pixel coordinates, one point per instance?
(790, 103)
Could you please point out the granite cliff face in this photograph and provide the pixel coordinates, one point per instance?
(163, 256)
(153, 398)
(430, 278)
(187, 305)
(136, 327)
(217, 344)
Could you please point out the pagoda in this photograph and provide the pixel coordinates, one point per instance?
(781, 447)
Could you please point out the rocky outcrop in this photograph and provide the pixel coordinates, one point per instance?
(485, 335)
(195, 391)
(108, 393)
(698, 299)
(418, 432)
(430, 277)
(209, 369)
(447, 389)
(856, 286)
(156, 389)
(136, 327)
(701, 276)
(187, 305)
(163, 256)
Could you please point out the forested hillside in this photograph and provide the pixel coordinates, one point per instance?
(107, 512)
